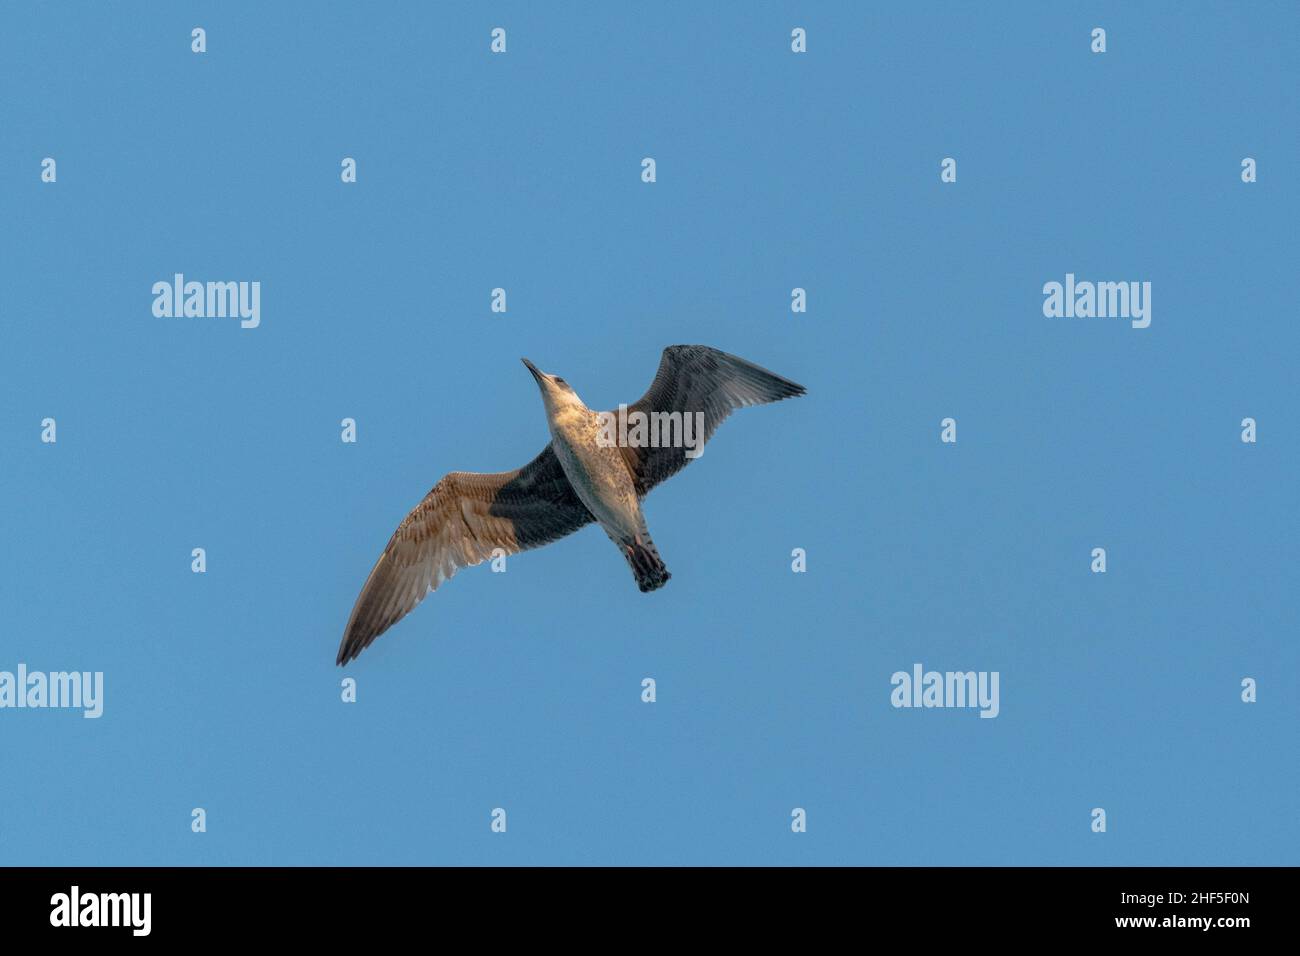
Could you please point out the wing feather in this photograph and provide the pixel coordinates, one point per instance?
(460, 522)
(697, 378)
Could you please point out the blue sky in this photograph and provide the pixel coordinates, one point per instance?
(775, 170)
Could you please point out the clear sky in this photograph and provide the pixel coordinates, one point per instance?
(775, 170)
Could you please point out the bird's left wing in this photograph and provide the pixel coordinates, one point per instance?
(460, 523)
(703, 381)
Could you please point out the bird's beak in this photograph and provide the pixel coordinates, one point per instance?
(533, 368)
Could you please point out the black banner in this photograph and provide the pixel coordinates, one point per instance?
(1169, 905)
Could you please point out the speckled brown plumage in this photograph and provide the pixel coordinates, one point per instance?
(467, 516)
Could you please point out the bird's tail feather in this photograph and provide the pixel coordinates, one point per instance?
(647, 567)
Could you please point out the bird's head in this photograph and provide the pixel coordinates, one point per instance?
(557, 394)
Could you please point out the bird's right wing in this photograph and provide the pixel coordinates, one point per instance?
(460, 523)
(698, 379)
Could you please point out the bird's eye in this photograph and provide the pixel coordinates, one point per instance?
(560, 381)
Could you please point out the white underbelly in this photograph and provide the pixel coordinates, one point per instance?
(602, 483)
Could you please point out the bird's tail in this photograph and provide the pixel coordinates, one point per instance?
(647, 567)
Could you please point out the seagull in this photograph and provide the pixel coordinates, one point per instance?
(590, 471)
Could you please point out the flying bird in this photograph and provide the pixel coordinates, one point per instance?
(593, 469)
